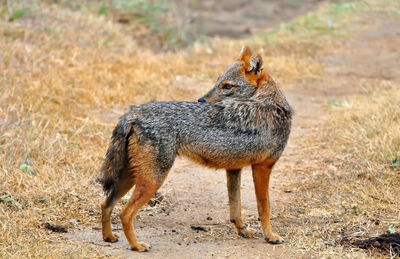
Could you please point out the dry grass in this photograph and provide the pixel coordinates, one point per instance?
(348, 186)
(62, 71)
(351, 186)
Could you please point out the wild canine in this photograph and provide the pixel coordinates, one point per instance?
(244, 120)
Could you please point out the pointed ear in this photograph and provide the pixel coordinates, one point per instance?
(245, 54)
(253, 70)
(256, 64)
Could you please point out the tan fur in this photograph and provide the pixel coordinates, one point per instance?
(224, 162)
(141, 173)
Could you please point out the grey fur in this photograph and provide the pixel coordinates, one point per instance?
(248, 125)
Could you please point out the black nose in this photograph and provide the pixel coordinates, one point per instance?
(201, 100)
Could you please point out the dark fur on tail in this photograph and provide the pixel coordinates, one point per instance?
(116, 157)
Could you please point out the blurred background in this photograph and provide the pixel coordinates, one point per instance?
(170, 24)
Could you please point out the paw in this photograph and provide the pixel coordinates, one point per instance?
(111, 239)
(246, 232)
(141, 247)
(274, 239)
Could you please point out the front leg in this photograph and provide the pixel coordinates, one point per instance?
(233, 184)
(261, 175)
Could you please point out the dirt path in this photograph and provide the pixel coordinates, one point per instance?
(195, 195)
(239, 18)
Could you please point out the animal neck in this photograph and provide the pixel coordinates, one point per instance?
(269, 90)
(265, 109)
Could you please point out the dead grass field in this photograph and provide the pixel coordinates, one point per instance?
(66, 74)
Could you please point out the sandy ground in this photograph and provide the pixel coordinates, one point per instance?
(194, 195)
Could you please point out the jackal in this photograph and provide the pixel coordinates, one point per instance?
(243, 120)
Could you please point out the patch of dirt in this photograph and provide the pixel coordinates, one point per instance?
(373, 55)
(239, 18)
(197, 195)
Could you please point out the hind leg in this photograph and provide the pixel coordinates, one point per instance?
(149, 167)
(233, 183)
(106, 209)
(146, 186)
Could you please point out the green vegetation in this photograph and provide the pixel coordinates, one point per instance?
(17, 14)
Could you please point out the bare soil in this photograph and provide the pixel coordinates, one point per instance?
(194, 195)
(239, 18)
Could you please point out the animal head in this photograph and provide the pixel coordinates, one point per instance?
(241, 80)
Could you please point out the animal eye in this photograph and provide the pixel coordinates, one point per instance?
(227, 86)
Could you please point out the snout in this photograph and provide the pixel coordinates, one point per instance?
(201, 100)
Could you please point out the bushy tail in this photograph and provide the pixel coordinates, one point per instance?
(116, 157)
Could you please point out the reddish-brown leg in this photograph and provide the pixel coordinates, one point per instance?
(261, 175)
(145, 187)
(106, 209)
